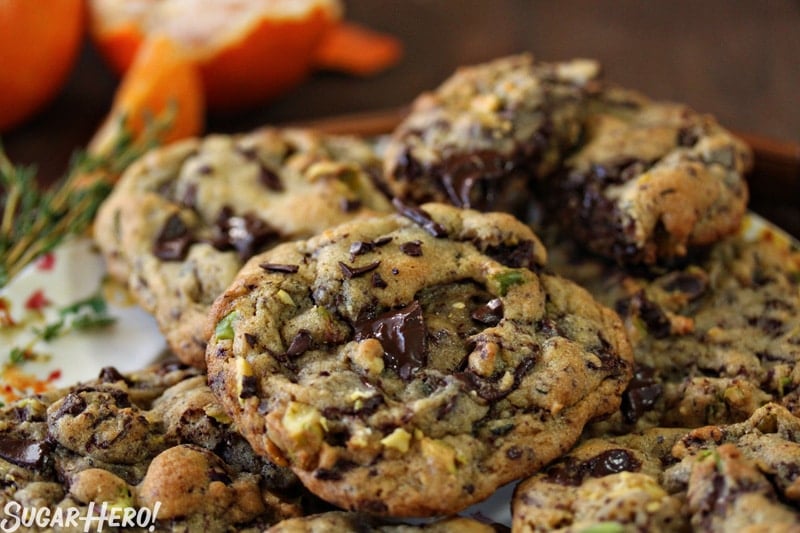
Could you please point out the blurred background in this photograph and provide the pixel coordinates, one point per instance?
(737, 60)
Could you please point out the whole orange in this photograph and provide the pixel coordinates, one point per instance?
(247, 51)
(39, 43)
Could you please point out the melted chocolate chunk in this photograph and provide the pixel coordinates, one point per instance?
(572, 472)
(275, 267)
(300, 344)
(25, 453)
(487, 387)
(268, 178)
(109, 374)
(246, 234)
(378, 282)
(173, 241)
(251, 339)
(658, 325)
(490, 313)
(692, 285)
(354, 272)
(519, 255)
(72, 405)
(349, 205)
(687, 137)
(514, 453)
(641, 394)
(461, 174)
(249, 387)
(412, 248)
(360, 248)
(364, 247)
(402, 334)
(420, 217)
(549, 328)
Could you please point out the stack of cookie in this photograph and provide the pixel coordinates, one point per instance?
(369, 332)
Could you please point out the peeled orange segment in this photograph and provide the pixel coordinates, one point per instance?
(247, 51)
(161, 84)
(39, 42)
(357, 50)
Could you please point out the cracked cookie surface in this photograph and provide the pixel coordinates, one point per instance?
(478, 139)
(184, 218)
(156, 438)
(411, 365)
(714, 338)
(650, 180)
(715, 478)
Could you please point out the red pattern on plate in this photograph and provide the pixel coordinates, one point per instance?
(46, 262)
(37, 301)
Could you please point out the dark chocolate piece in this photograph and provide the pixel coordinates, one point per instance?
(276, 267)
(246, 234)
(490, 313)
(173, 241)
(572, 472)
(354, 272)
(641, 394)
(300, 344)
(412, 248)
(402, 334)
(24, 453)
(419, 216)
(516, 256)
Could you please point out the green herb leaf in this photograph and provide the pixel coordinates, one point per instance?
(34, 220)
(90, 313)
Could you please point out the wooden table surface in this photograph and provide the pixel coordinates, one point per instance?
(737, 60)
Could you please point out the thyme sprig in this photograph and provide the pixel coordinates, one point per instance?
(34, 220)
(87, 314)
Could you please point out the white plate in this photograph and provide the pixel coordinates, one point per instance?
(73, 272)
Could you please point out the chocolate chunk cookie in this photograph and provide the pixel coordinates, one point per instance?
(651, 180)
(716, 478)
(410, 365)
(611, 482)
(478, 139)
(358, 522)
(184, 218)
(714, 339)
(155, 439)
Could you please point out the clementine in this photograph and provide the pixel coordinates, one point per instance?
(160, 84)
(354, 49)
(39, 43)
(247, 51)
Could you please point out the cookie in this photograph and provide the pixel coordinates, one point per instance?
(650, 181)
(410, 365)
(478, 139)
(714, 338)
(156, 439)
(611, 482)
(742, 475)
(739, 477)
(344, 522)
(183, 219)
